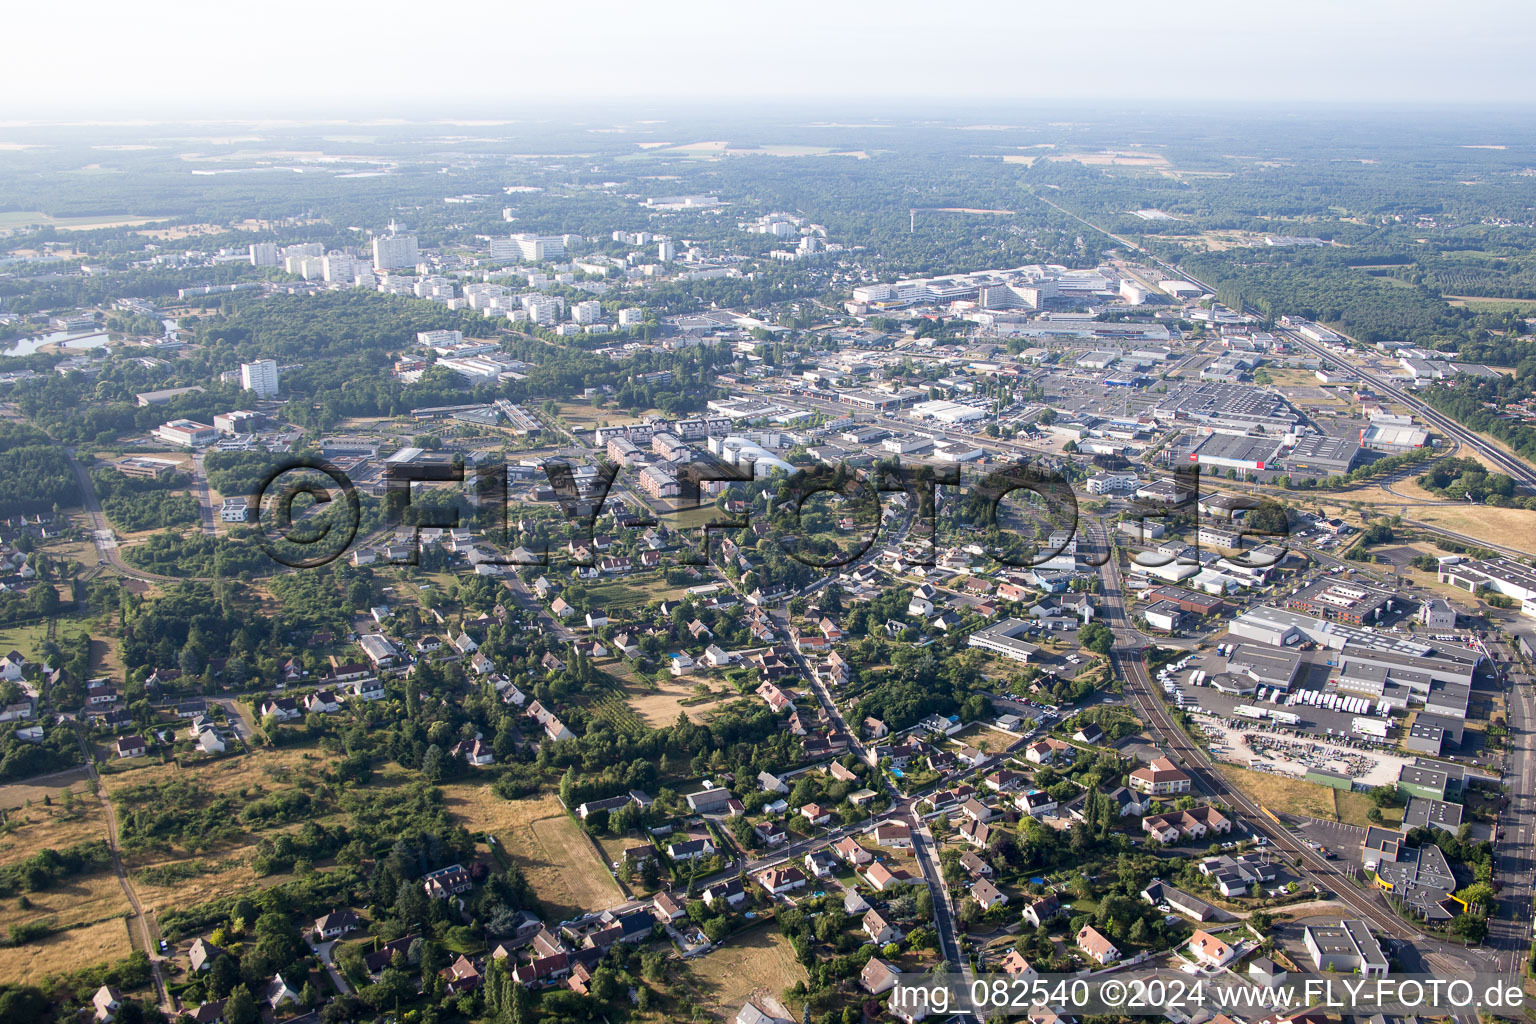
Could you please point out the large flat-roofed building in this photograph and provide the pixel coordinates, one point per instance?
(1282, 627)
(148, 398)
(1167, 492)
(1221, 403)
(187, 433)
(1429, 781)
(1003, 638)
(1274, 667)
(1346, 947)
(1421, 880)
(1188, 600)
(1323, 455)
(1502, 576)
(1422, 812)
(1354, 603)
(1386, 437)
(1233, 451)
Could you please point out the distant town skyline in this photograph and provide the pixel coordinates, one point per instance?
(286, 59)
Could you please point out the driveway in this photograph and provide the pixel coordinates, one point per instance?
(323, 951)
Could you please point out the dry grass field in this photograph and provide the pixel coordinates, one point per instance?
(1283, 792)
(227, 873)
(81, 900)
(659, 706)
(31, 829)
(988, 741)
(66, 951)
(755, 962)
(554, 856)
(18, 794)
(265, 769)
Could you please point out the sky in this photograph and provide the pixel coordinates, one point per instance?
(93, 58)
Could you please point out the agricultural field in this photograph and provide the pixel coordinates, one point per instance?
(760, 961)
(556, 858)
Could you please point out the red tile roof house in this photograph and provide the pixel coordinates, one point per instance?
(1098, 948)
(1014, 965)
(878, 976)
(1042, 909)
(883, 878)
(1208, 949)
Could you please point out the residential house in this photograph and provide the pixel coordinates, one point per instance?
(986, 895)
(879, 929)
(1098, 948)
(1208, 950)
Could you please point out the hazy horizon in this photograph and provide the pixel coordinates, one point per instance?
(300, 62)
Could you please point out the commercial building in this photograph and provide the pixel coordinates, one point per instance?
(240, 421)
(1270, 667)
(1238, 452)
(187, 433)
(1394, 440)
(1501, 576)
(1113, 482)
(260, 377)
(1354, 603)
(1227, 405)
(1322, 455)
(1003, 638)
(1163, 615)
(1346, 947)
(948, 412)
(148, 398)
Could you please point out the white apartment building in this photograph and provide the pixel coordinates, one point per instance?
(260, 377)
(544, 309)
(666, 251)
(264, 254)
(588, 312)
(535, 248)
(340, 268)
(631, 317)
(433, 339)
(395, 252)
(1113, 482)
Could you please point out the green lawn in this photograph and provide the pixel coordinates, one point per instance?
(631, 591)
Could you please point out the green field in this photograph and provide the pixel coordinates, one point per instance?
(631, 591)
